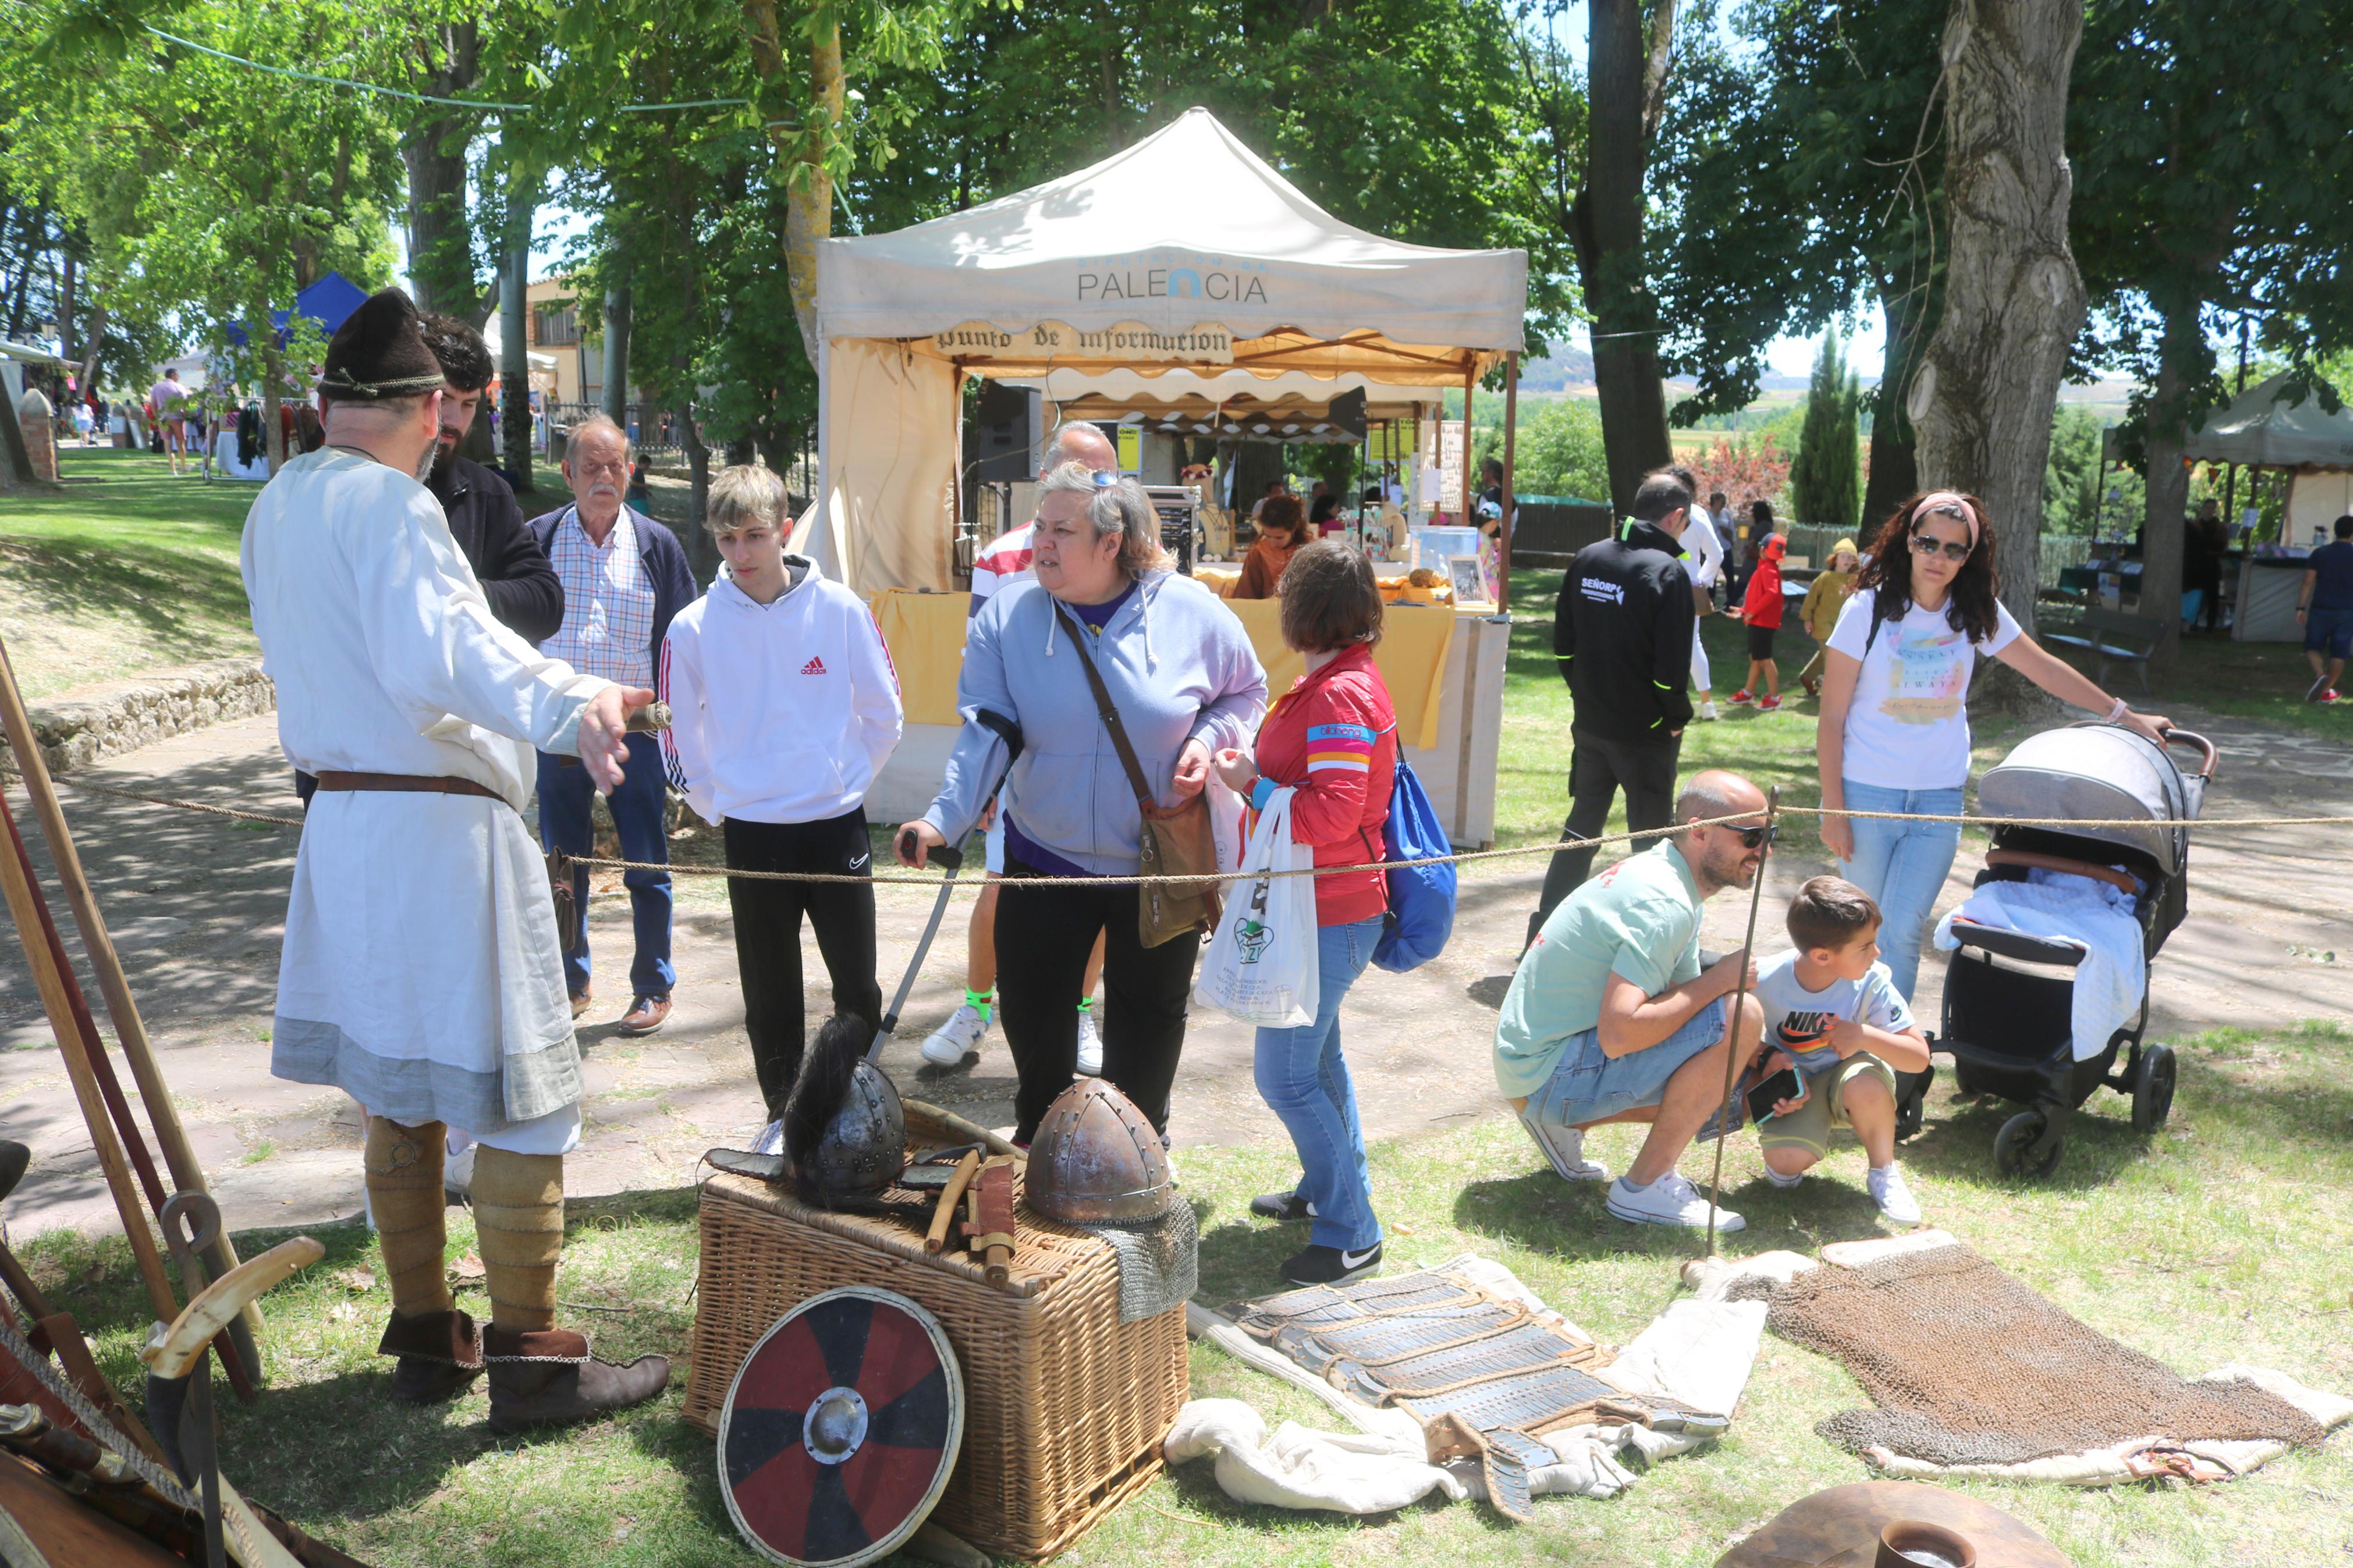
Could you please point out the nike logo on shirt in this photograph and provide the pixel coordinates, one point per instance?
(861, 860)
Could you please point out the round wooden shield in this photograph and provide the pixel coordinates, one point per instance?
(840, 1429)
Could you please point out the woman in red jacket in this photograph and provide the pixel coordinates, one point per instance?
(1332, 739)
(1762, 610)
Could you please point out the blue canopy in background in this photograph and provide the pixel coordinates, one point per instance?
(327, 302)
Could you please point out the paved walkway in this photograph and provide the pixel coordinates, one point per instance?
(197, 906)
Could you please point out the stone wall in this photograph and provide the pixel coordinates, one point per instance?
(102, 720)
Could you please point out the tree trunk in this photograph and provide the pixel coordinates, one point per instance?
(1605, 225)
(66, 291)
(616, 356)
(1894, 465)
(702, 551)
(2167, 492)
(809, 199)
(440, 242)
(1983, 397)
(514, 326)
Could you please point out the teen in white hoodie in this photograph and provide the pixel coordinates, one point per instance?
(784, 706)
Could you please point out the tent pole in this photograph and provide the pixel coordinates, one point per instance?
(1470, 390)
(1510, 435)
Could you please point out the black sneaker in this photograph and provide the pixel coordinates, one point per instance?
(1330, 1264)
(1284, 1206)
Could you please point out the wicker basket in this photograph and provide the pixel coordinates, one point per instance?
(1064, 1406)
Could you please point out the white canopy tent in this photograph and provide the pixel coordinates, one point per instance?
(1185, 251)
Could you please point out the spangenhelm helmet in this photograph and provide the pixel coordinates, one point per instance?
(1096, 1161)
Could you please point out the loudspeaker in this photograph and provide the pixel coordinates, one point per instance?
(1347, 411)
(1006, 433)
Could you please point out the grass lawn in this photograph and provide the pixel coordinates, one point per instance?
(126, 568)
(2224, 1237)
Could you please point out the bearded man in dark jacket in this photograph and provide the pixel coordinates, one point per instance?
(1623, 637)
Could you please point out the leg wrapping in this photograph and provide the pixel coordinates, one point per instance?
(403, 1184)
(518, 1225)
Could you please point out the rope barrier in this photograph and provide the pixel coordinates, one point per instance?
(600, 863)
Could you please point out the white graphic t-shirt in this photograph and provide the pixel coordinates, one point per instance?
(1908, 727)
(1799, 1021)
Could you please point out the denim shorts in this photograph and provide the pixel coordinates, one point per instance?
(1587, 1086)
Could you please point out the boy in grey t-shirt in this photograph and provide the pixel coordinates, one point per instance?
(1833, 1013)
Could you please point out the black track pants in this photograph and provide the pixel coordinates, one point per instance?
(1598, 767)
(768, 935)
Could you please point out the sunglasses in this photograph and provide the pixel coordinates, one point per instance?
(1928, 544)
(1752, 837)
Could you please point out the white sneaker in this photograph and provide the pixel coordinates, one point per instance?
(1707, 708)
(963, 1032)
(1778, 1180)
(1669, 1200)
(1894, 1198)
(1564, 1148)
(1090, 1045)
(458, 1175)
(771, 1140)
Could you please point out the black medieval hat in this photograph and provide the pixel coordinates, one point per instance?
(379, 352)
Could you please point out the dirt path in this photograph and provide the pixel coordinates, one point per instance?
(197, 906)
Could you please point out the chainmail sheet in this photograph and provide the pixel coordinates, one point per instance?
(1968, 1366)
(1159, 1262)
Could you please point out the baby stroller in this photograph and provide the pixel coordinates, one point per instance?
(2008, 995)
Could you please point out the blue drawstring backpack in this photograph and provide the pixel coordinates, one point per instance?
(1421, 897)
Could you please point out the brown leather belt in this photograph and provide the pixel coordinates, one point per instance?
(406, 784)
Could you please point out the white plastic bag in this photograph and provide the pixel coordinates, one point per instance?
(1261, 965)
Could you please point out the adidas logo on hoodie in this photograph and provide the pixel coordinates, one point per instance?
(814, 666)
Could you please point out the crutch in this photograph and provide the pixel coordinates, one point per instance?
(952, 857)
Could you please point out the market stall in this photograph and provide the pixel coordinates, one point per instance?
(2314, 448)
(1114, 271)
(1444, 669)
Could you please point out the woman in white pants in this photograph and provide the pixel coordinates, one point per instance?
(1700, 536)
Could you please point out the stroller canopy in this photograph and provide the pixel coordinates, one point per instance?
(2093, 772)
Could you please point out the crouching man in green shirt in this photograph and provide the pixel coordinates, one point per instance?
(1610, 1017)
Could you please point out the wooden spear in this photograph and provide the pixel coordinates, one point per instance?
(129, 1028)
(51, 985)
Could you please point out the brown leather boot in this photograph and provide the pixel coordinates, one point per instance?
(546, 1377)
(440, 1355)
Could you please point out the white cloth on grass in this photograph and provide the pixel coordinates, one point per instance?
(1699, 1350)
(420, 972)
(2094, 915)
(1908, 726)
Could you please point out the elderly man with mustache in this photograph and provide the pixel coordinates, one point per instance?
(624, 577)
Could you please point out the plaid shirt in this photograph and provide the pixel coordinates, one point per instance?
(609, 602)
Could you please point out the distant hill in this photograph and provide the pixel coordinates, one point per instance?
(1563, 370)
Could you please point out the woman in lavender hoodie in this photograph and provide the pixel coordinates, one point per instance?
(1186, 683)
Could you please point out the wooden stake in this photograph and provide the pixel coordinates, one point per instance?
(1510, 456)
(129, 1028)
(22, 906)
(1732, 1017)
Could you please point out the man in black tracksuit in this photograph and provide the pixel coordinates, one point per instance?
(1623, 637)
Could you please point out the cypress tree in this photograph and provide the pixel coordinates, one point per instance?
(1825, 478)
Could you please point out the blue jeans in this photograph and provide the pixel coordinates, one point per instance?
(1304, 1079)
(636, 808)
(1903, 866)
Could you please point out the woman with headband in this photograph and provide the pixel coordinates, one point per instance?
(1895, 728)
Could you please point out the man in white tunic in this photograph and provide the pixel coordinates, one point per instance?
(421, 971)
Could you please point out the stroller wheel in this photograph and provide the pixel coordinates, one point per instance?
(2014, 1152)
(2152, 1093)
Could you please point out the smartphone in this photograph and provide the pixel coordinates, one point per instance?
(1786, 1084)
